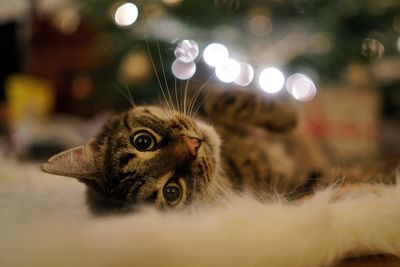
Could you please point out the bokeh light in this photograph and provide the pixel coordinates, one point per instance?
(67, 20)
(126, 14)
(398, 43)
(228, 70)
(372, 48)
(172, 2)
(301, 87)
(135, 67)
(246, 75)
(259, 25)
(215, 53)
(320, 43)
(271, 80)
(81, 86)
(187, 50)
(183, 70)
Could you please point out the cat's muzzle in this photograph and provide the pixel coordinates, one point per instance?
(192, 143)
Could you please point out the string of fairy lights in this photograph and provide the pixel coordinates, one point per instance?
(227, 69)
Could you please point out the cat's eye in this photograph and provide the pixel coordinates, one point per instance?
(172, 193)
(144, 141)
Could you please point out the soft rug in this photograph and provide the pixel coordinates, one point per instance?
(44, 222)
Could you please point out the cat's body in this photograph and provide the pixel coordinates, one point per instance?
(168, 158)
(262, 151)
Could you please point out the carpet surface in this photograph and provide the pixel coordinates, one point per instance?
(44, 222)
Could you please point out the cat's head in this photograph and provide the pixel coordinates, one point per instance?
(145, 155)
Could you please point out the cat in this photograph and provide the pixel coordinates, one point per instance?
(171, 158)
(241, 141)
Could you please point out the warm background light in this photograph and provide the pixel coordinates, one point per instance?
(228, 70)
(187, 50)
(301, 87)
(126, 14)
(246, 75)
(215, 53)
(183, 70)
(271, 80)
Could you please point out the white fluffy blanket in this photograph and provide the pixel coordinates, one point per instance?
(43, 222)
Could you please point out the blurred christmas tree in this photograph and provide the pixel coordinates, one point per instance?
(318, 38)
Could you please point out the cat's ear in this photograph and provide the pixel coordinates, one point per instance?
(77, 162)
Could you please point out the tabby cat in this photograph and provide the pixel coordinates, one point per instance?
(168, 158)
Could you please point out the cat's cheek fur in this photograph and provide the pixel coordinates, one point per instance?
(212, 138)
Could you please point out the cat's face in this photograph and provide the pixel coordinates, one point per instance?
(145, 156)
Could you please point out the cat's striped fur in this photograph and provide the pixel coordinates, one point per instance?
(186, 154)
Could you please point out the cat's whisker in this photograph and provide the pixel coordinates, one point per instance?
(179, 104)
(185, 96)
(181, 95)
(193, 113)
(164, 74)
(122, 92)
(196, 95)
(132, 102)
(193, 100)
(198, 59)
(127, 96)
(167, 115)
(169, 112)
(156, 73)
(176, 97)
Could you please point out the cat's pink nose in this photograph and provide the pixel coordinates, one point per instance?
(193, 144)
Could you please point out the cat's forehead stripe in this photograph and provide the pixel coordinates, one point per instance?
(183, 123)
(150, 122)
(151, 115)
(126, 120)
(152, 111)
